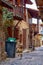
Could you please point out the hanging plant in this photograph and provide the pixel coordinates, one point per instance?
(7, 19)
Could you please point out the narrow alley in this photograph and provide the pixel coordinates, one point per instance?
(21, 32)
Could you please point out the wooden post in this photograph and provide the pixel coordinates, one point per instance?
(30, 32)
(38, 25)
(27, 31)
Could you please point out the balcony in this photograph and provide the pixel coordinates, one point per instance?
(18, 11)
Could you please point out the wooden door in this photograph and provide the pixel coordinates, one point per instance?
(16, 33)
(9, 29)
(24, 38)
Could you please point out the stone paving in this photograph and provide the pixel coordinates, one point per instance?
(32, 58)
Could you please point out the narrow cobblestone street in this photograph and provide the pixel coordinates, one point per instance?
(32, 58)
(21, 32)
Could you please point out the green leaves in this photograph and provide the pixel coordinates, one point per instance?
(7, 17)
(6, 14)
(4, 10)
(4, 17)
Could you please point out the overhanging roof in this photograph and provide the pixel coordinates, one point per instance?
(34, 13)
(7, 4)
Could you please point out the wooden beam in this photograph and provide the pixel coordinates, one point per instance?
(17, 23)
(7, 3)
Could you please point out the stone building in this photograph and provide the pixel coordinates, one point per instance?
(17, 31)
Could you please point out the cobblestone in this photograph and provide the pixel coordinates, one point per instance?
(32, 58)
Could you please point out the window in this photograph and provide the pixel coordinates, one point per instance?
(34, 20)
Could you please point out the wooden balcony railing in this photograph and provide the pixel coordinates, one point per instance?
(18, 11)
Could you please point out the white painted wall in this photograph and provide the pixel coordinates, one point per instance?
(33, 6)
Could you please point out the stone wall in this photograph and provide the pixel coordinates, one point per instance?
(2, 44)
